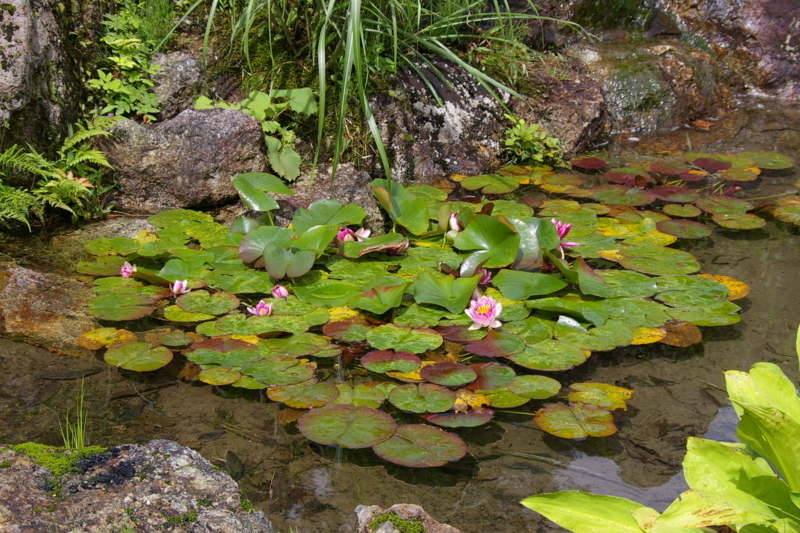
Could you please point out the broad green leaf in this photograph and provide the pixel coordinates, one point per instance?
(301, 100)
(327, 212)
(534, 387)
(113, 246)
(490, 184)
(304, 395)
(348, 426)
(586, 513)
(279, 371)
(447, 291)
(279, 262)
(601, 395)
(721, 314)
(283, 158)
(407, 339)
(470, 419)
(575, 421)
(176, 314)
(382, 361)
(422, 398)
(252, 245)
(254, 186)
(218, 303)
(518, 285)
(138, 356)
(594, 312)
(655, 260)
(366, 394)
(448, 374)
(315, 239)
(219, 376)
(126, 306)
(327, 293)
(550, 355)
(380, 299)
(417, 445)
(497, 244)
(402, 206)
(776, 436)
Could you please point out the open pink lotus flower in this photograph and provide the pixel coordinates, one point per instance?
(279, 291)
(261, 309)
(127, 270)
(180, 286)
(484, 312)
(563, 229)
(346, 234)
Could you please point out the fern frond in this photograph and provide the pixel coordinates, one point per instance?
(17, 204)
(95, 157)
(83, 133)
(16, 158)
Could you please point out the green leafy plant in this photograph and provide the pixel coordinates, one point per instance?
(74, 433)
(268, 108)
(748, 486)
(529, 144)
(72, 182)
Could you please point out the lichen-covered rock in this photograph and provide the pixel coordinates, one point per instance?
(185, 162)
(160, 486)
(177, 82)
(406, 511)
(47, 310)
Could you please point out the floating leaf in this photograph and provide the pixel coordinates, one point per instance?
(534, 387)
(693, 297)
(518, 285)
(628, 176)
(740, 174)
(304, 395)
(711, 164)
(589, 163)
(723, 205)
(504, 398)
(327, 212)
(736, 289)
(550, 355)
(491, 376)
(422, 398)
(218, 303)
(490, 183)
(402, 206)
(575, 421)
(138, 356)
(175, 339)
(684, 229)
(672, 193)
(461, 333)
(448, 374)
(297, 345)
(382, 361)
(746, 221)
(380, 299)
(681, 333)
(381, 243)
(417, 445)
(366, 394)
(622, 195)
(496, 343)
(418, 316)
(600, 395)
(279, 371)
(176, 314)
(105, 337)
(788, 213)
(769, 160)
(219, 376)
(684, 211)
(347, 426)
(407, 339)
(655, 260)
(327, 293)
(648, 335)
(113, 246)
(126, 306)
(624, 283)
(347, 330)
(461, 420)
(721, 314)
(102, 266)
(671, 168)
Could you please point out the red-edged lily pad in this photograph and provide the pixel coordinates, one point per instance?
(461, 333)
(419, 445)
(347, 330)
(422, 398)
(382, 361)
(628, 176)
(600, 395)
(448, 374)
(279, 370)
(670, 168)
(684, 229)
(461, 420)
(175, 339)
(304, 395)
(740, 174)
(219, 376)
(347, 426)
(711, 164)
(491, 376)
(589, 163)
(575, 421)
(496, 343)
(138, 356)
(622, 195)
(674, 194)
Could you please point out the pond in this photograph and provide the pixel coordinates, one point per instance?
(679, 392)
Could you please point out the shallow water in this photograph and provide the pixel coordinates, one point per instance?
(679, 393)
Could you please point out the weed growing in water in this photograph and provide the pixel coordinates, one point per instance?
(74, 434)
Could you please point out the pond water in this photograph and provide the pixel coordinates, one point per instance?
(679, 393)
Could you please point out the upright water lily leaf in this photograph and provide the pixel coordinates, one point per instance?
(347, 426)
(417, 445)
(304, 395)
(382, 361)
(138, 356)
(407, 339)
(244, 225)
(422, 398)
(518, 285)
(449, 374)
(497, 244)
(280, 262)
(254, 186)
(315, 239)
(402, 206)
(600, 395)
(575, 421)
(380, 299)
(251, 248)
(534, 387)
(490, 183)
(589, 281)
(447, 291)
(218, 303)
(125, 306)
(550, 355)
(461, 420)
(327, 212)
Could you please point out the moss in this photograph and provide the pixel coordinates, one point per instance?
(181, 519)
(401, 524)
(245, 504)
(59, 461)
(6, 464)
(204, 503)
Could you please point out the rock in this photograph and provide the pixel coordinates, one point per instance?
(177, 83)
(74, 241)
(366, 515)
(758, 40)
(185, 162)
(47, 310)
(39, 86)
(160, 486)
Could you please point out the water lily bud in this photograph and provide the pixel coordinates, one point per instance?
(181, 286)
(261, 309)
(279, 291)
(127, 269)
(345, 235)
(362, 233)
(486, 276)
(455, 224)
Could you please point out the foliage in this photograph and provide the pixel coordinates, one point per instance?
(122, 86)
(529, 144)
(379, 309)
(73, 182)
(58, 460)
(748, 486)
(267, 108)
(74, 434)
(402, 525)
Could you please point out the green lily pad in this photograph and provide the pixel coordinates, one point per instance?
(327, 293)
(684, 229)
(575, 421)
(418, 340)
(304, 395)
(382, 361)
(612, 334)
(746, 221)
(219, 303)
(125, 306)
(674, 194)
(347, 330)
(739, 174)
(550, 355)
(624, 283)
(490, 183)
(461, 333)
(417, 445)
(279, 371)
(723, 205)
(418, 316)
(102, 266)
(622, 195)
(175, 339)
(534, 387)
(693, 297)
(138, 356)
(556, 208)
(657, 260)
(348, 426)
(246, 382)
(721, 314)
(594, 312)
(268, 324)
(769, 160)
(240, 281)
(422, 398)
(448, 374)
(366, 394)
(788, 213)
(380, 299)
(531, 330)
(491, 376)
(178, 217)
(254, 186)
(671, 168)
(297, 345)
(600, 395)
(504, 398)
(219, 376)
(518, 285)
(176, 314)
(113, 246)
(461, 420)
(231, 354)
(683, 211)
(496, 343)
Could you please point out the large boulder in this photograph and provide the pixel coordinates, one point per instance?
(159, 486)
(186, 162)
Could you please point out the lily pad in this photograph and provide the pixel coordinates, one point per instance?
(327, 212)
(496, 343)
(279, 371)
(418, 340)
(176, 314)
(518, 285)
(138, 356)
(550, 355)
(740, 174)
(219, 376)
(624, 283)
(600, 395)
(175, 339)
(655, 260)
(769, 160)
(113, 246)
(418, 316)
(461, 420)
(461, 333)
(422, 398)
(622, 195)
(105, 337)
(380, 299)
(788, 213)
(674, 194)
(745, 221)
(348, 426)
(711, 164)
(495, 242)
(418, 445)
(504, 398)
(448, 374)
(670, 168)
(723, 205)
(327, 293)
(304, 395)
(575, 421)
(382, 361)
(490, 183)
(491, 376)
(534, 387)
(366, 394)
(126, 306)
(683, 211)
(219, 303)
(628, 176)
(684, 229)
(297, 345)
(347, 330)
(721, 314)
(589, 163)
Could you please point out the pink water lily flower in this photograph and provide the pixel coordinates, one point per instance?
(127, 270)
(346, 234)
(180, 286)
(486, 276)
(455, 227)
(279, 291)
(563, 229)
(484, 312)
(399, 249)
(261, 309)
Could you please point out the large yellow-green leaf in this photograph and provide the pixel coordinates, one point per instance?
(586, 513)
(575, 421)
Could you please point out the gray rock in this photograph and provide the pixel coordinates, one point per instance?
(177, 83)
(160, 486)
(186, 162)
(408, 511)
(47, 310)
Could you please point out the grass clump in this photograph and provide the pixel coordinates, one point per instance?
(181, 519)
(404, 525)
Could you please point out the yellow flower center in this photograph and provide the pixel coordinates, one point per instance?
(483, 309)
